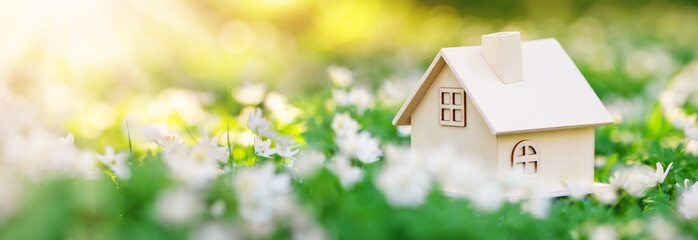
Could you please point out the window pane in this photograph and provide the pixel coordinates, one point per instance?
(457, 99)
(446, 98)
(445, 115)
(457, 115)
(532, 168)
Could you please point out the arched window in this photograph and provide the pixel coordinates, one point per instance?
(525, 158)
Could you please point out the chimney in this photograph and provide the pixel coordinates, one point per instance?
(502, 51)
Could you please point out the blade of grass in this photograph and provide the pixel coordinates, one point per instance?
(230, 148)
(130, 147)
(184, 124)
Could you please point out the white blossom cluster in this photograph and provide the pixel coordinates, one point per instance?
(264, 196)
(688, 201)
(683, 89)
(352, 144)
(30, 152)
(634, 179)
(406, 179)
(284, 145)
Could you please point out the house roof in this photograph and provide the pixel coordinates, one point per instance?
(553, 94)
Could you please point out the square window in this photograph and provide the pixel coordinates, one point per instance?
(532, 168)
(446, 98)
(457, 99)
(457, 115)
(445, 115)
(452, 107)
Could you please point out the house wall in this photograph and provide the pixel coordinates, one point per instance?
(474, 141)
(564, 154)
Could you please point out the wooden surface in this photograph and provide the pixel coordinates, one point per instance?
(474, 141)
(564, 155)
(502, 52)
(553, 94)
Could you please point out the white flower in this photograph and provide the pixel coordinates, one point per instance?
(404, 131)
(576, 191)
(214, 231)
(217, 209)
(178, 206)
(634, 179)
(10, 192)
(686, 185)
(691, 133)
(661, 229)
(285, 151)
(599, 161)
(116, 162)
(660, 174)
(348, 175)
(284, 147)
(83, 164)
(280, 109)
(360, 146)
(360, 98)
(69, 139)
(692, 147)
(259, 125)
(404, 184)
(688, 202)
(400, 156)
(536, 202)
(466, 177)
(537, 205)
(487, 197)
(307, 163)
(159, 134)
(395, 91)
(260, 192)
(340, 76)
(680, 119)
(250, 93)
(263, 147)
(340, 97)
(344, 125)
(603, 232)
(439, 161)
(194, 166)
(606, 195)
(304, 227)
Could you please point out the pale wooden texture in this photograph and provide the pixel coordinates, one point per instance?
(403, 116)
(502, 51)
(473, 142)
(553, 95)
(525, 158)
(452, 107)
(564, 155)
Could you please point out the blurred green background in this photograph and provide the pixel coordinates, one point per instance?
(89, 63)
(103, 69)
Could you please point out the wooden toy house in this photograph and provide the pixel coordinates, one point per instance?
(516, 106)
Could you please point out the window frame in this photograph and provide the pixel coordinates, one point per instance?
(451, 107)
(523, 162)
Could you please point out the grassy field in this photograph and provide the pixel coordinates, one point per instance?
(272, 120)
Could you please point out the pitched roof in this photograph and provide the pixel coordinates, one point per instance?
(553, 94)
